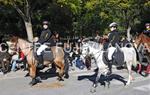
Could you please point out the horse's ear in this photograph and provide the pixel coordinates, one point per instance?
(14, 39)
(85, 40)
(83, 43)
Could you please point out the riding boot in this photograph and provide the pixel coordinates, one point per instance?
(40, 64)
(109, 68)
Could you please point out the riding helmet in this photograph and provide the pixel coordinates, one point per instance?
(147, 24)
(45, 22)
(113, 24)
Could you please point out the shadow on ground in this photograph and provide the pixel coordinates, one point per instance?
(103, 79)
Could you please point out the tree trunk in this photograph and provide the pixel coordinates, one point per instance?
(29, 30)
(128, 33)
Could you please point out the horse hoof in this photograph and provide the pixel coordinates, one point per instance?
(60, 79)
(66, 76)
(32, 83)
(38, 79)
(127, 84)
(35, 81)
(108, 85)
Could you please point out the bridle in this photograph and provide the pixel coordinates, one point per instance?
(17, 47)
(88, 50)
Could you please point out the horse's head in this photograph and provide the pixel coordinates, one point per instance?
(85, 50)
(14, 40)
(138, 40)
(12, 44)
(90, 47)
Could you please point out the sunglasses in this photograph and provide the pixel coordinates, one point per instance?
(113, 27)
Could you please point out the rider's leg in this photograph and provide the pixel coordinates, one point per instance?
(40, 57)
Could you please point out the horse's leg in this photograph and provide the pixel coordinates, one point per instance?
(33, 75)
(129, 66)
(66, 68)
(98, 74)
(61, 70)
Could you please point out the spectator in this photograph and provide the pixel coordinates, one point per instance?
(18, 57)
(97, 37)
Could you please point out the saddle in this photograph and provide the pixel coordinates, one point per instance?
(47, 53)
(117, 58)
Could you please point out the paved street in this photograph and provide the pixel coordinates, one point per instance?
(79, 83)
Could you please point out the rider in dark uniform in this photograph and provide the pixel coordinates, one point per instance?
(44, 40)
(147, 31)
(113, 36)
(113, 40)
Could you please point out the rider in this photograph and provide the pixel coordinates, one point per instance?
(113, 36)
(147, 31)
(113, 40)
(44, 40)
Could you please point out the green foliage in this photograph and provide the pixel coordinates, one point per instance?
(147, 4)
(74, 5)
(79, 17)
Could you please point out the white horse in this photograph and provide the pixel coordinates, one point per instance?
(96, 51)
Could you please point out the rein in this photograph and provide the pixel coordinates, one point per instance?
(97, 53)
(31, 47)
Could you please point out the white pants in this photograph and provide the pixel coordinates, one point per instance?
(111, 50)
(41, 49)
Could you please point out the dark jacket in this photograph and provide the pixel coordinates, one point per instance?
(114, 38)
(45, 36)
(147, 32)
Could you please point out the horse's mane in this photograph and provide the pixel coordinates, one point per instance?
(24, 40)
(94, 45)
(15, 39)
(142, 38)
(145, 38)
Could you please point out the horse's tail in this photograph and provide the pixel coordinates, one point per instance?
(135, 61)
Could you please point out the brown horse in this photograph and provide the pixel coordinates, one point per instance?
(27, 48)
(143, 39)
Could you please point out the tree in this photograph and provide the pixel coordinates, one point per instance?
(127, 12)
(23, 8)
(89, 16)
(82, 17)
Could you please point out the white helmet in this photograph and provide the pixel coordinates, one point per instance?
(113, 24)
